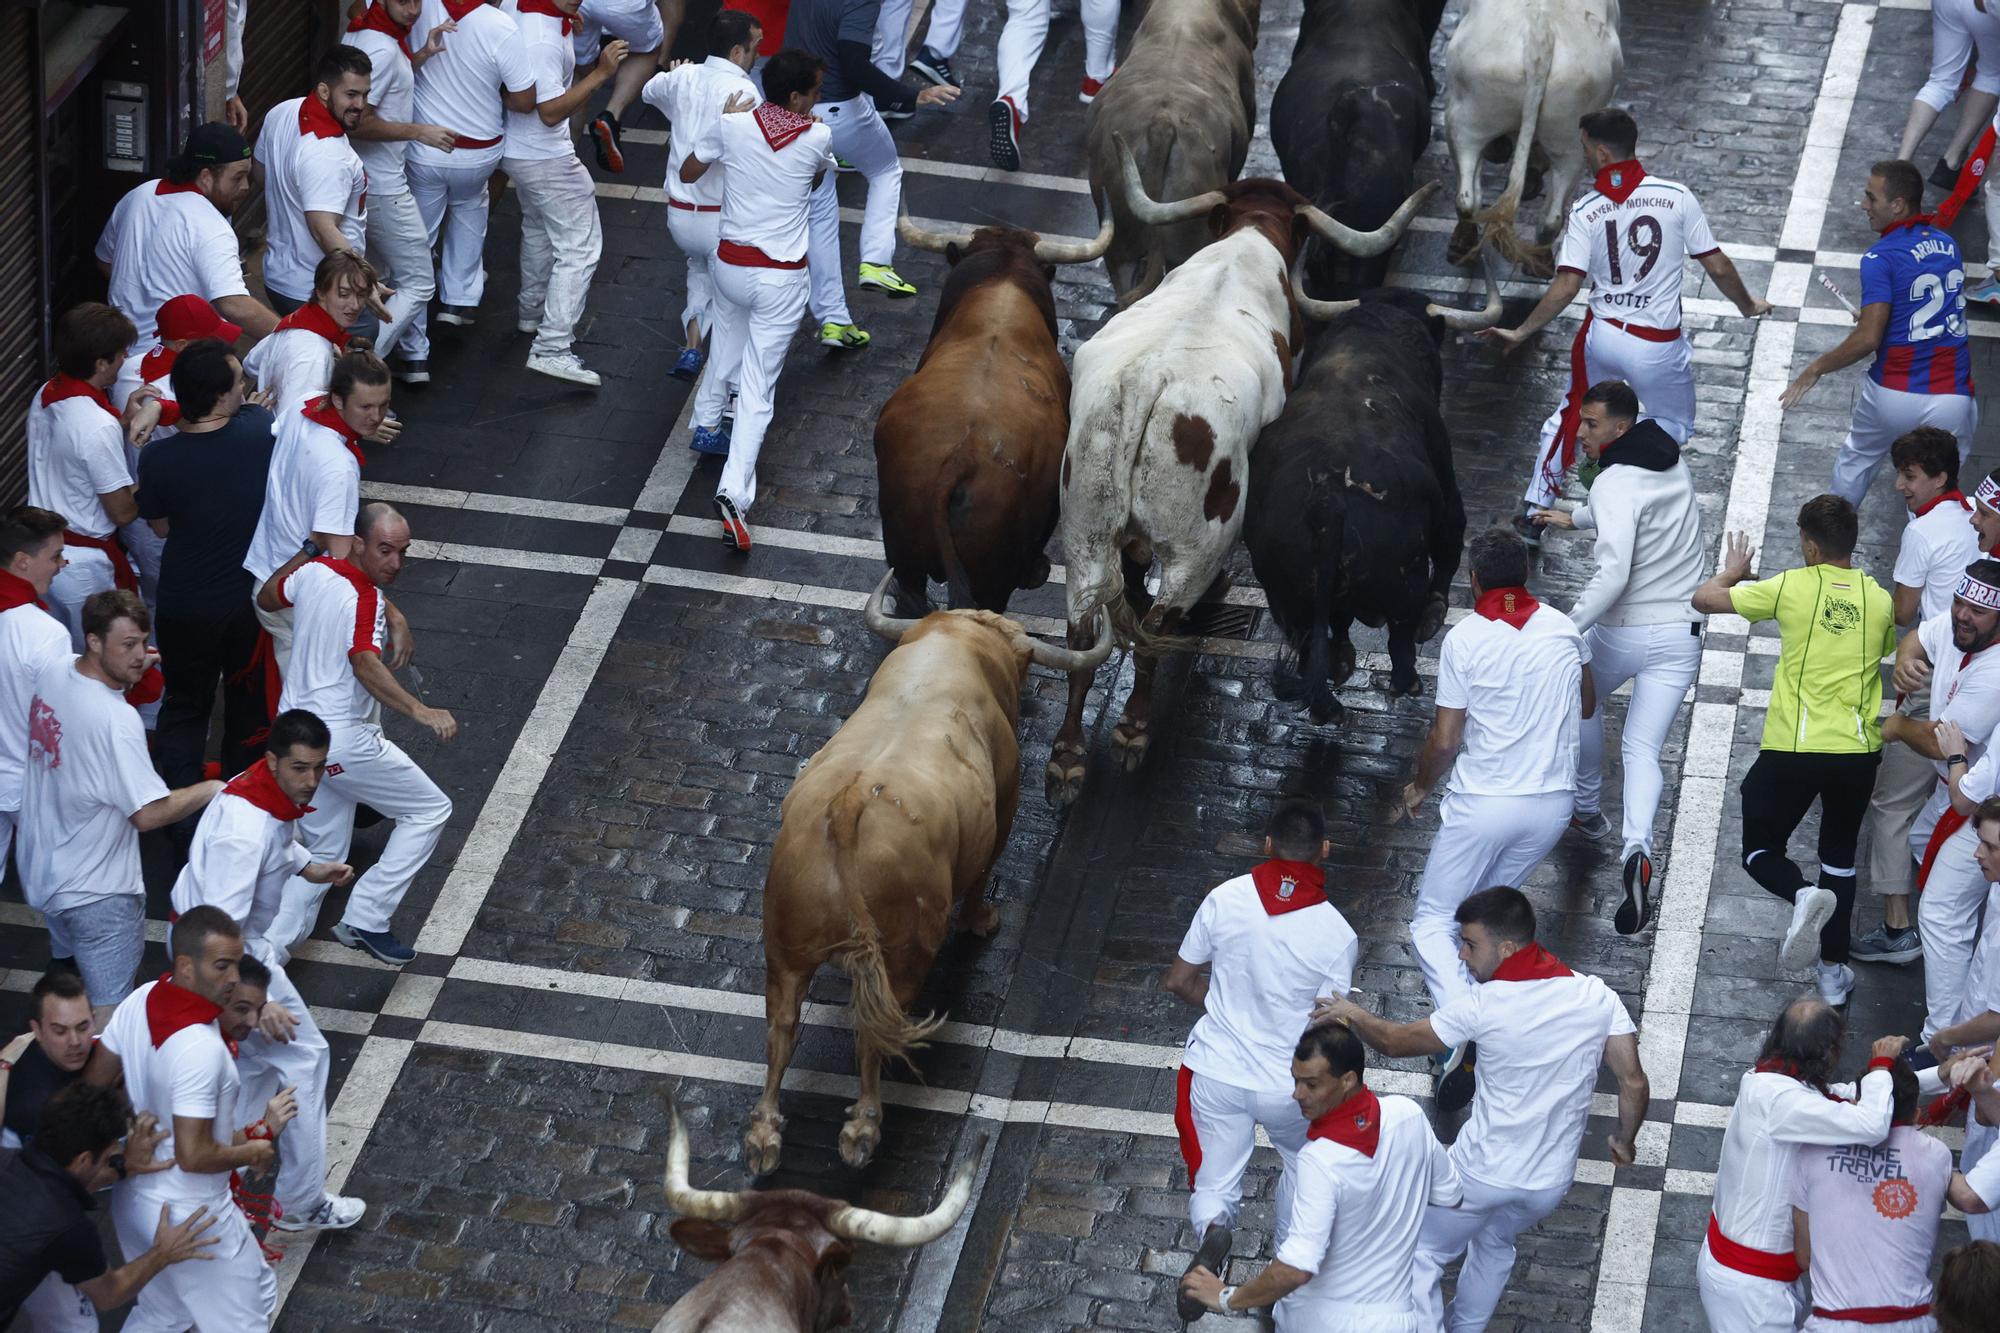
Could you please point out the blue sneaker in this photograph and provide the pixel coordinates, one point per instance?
(689, 364)
(710, 440)
(1986, 293)
(383, 944)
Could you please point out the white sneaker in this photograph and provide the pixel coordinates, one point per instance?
(528, 325)
(1836, 982)
(336, 1212)
(1812, 909)
(566, 366)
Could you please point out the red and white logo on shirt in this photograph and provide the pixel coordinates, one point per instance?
(44, 734)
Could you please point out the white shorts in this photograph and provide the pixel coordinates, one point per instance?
(637, 21)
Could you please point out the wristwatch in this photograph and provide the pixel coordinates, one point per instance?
(1951, 759)
(1222, 1299)
(311, 548)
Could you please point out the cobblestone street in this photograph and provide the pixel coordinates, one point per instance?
(634, 701)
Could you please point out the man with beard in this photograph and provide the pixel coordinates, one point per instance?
(315, 188)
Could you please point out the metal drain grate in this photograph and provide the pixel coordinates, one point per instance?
(1220, 620)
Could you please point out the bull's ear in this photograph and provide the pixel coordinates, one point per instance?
(952, 254)
(1218, 218)
(701, 1238)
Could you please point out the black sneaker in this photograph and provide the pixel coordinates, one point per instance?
(411, 370)
(604, 138)
(1944, 176)
(1003, 125)
(461, 315)
(934, 67)
(1637, 908)
(1212, 1255)
(1456, 1080)
(1528, 531)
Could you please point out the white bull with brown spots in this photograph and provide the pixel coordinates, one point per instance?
(1165, 404)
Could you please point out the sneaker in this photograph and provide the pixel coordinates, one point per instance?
(411, 370)
(604, 138)
(842, 164)
(710, 440)
(1944, 176)
(729, 413)
(1836, 982)
(461, 315)
(336, 1212)
(1986, 293)
(1528, 531)
(1091, 88)
(842, 335)
(1591, 824)
(734, 530)
(1637, 907)
(1812, 909)
(1883, 945)
(688, 364)
(565, 366)
(1003, 128)
(884, 279)
(934, 67)
(887, 114)
(383, 944)
(1456, 1080)
(1212, 1255)
(527, 325)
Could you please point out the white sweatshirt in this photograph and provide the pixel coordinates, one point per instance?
(1650, 554)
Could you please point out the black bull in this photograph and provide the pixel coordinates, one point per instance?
(1354, 511)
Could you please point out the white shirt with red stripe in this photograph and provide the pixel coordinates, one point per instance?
(1937, 545)
(76, 453)
(1521, 689)
(392, 92)
(295, 364)
(245, 850)
(190, 1074)
(1965, 687)
(459, 87)
(309, 166)
(551, 59)
(314, 486)
(1631, 236)
(166, 240)
(692, 98)
(337, 613)
(1268, 962)
(30, 639)
(772, 158)
(1873, 1214)
(1541, 1031)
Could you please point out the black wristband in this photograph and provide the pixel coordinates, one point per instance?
(1951, 759)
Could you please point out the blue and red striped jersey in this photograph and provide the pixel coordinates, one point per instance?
(1915, 270)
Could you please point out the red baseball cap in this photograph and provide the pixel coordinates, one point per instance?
(188, 317)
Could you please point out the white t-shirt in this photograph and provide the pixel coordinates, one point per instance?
(314, 485)
(76, 453)
(1540, 1045)
(1936, 548)
(87, 774)
(1521, 690)
(1265, 972)
(1982, 979)
(161, 246)
(1634, 252)
(190, 1075)
(306, 171)
(1873, 1214)
(295, 365)
(551, 59)
(1965, 688)
(1773, 1113)
(392, 92)
(240, 861)
(338, 613)
(30, 639)
(459, 87)
(765, 202)
(692, 98)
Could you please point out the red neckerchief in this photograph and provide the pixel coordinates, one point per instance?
(169, 1008)
(1915, 220)
(322, 411)
(176, 187)
(258, 785)
(312, 317)
(1617, 181)
(69, 386)
(1790, 1070)
(1356, 1123)
(316, 120)
(1513, 605)
(1286, 886)
(376, 19)
(458, 9)
(547, 7)
(1929, 505)
(156, 363)
(1533, 963)
(780, 125)
(17, 591)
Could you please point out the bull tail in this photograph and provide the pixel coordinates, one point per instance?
(877, 1013)
(1498, 221)
(945, 525)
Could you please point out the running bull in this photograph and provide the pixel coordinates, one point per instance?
(1170, 396)
(899, 817)
(1354, 509)
(968, 448)
(784, 1253)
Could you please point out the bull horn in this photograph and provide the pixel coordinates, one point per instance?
(852, 1223)
(1367, 243)
(1078, 252)
(709, 1205)
(1148, 209)
(1466, 320)
(922, 238)
(876, 613)
(1312, 308)
(1069, 660)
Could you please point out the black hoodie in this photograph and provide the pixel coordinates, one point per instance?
(1646, 445)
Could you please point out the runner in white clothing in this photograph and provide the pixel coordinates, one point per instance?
(1630, 237)
(1272, 944)
(295, 364)
(315, 188)
(245, 851)
(1952, 883)
(1369, 1170)
(31, 547)
(1020, 50)
(1747, 1268)
(1543, 1031)
(647, 28)
(1635, 615)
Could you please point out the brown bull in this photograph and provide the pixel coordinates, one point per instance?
(784, 1253)
(968, 449)
(898, 818)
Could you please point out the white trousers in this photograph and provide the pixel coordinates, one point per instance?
(1483, 842)
(561, 242)
(756, 313)
(1880, 415)
(87, 574)
(1482, 1229)
(232, 1291)
(452, 199)
(1028, 28)
(57, 1307)
(364, 767)
(1661, 661)
(1948, 920)
(1661, 373)
(263, 1067)
(889, 51)
(8, 818)
(1222, 1122)
(1957, 28)
(399, 245)
(947, 30)
(860, 138)
(1979, 1140)
(696, 235)
(1739, 1303)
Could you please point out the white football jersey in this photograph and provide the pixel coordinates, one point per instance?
(1634, 251)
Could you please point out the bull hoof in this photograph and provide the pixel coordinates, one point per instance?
(981, 920)
(861, 1135)
(1129, 740)
(1405, 681)
(1432, 620)
(1038, 573)
(1464, 243)
(1327, 709)
(909, 605)
(762, 1143)
(1065, 775)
